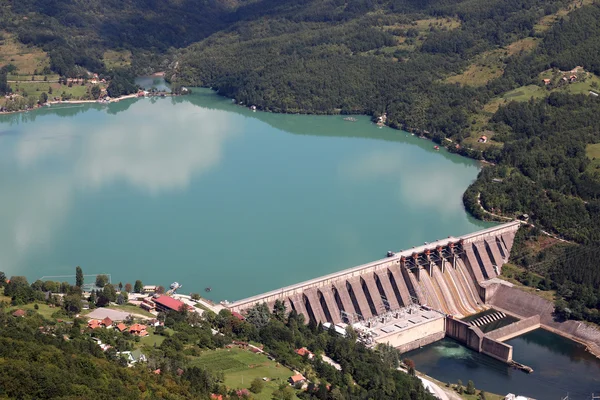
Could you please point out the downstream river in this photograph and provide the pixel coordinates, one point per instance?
(560, 367)
(198, 190)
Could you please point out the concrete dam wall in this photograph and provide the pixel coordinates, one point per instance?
(443, 275)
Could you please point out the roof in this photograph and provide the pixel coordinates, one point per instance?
(303, 351)
(238, 315)
(216, 396)
(121, 327)
(169, 303)
(137, 328)
(297, 378)
(94, 323)
(19, 313)
(107, 321)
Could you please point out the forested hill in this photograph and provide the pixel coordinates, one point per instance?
(76, 33)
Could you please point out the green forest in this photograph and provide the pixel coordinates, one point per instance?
(35, 352)
(408, 60)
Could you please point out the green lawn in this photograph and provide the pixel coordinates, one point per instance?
(153, 339)
(242, 366)
(44, 310)
(132, 309)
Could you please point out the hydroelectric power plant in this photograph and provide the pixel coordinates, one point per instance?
(416, 296)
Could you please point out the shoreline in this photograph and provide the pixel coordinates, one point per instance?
(56, 102)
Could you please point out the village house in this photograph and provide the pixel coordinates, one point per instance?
(546, 81)
(19, 313)
(138, 330)
(482, 139)
(93, 324)
(133, 357)
(295, 379)
(121, 327)
(304, 352)
(106, 322)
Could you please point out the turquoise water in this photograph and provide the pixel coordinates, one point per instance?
(197, 190)
(561, 367)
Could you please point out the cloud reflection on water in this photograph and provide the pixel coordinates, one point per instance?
(422, 188)
(148, 148)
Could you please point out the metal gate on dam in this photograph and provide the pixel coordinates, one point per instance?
(443, 276)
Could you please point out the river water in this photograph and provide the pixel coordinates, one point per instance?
(561, 367)
(198, 190)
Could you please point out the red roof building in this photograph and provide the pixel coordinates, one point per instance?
(19, 313)
(166, 303)
(106, 322)
(93, 324)
(304, 352)
(138, 330)
(297, 378)
(121, 327)
(238, 315)
(216, 396)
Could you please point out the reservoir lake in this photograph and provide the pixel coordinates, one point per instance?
(198, 190)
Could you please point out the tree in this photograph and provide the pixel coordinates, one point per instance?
(259, 315)
(43, 97)
(120, 299)
(284, 392)
(95, 91)
(160, 290)
(78, 270)
(138, 287)
(279, 310)
(49, 89)
(2, 279)
(120, 286)
(93, 298)
(128, 287)
(470, 388)
(72, 304)
(257, 385)
(195, 296)
(4, 87)
(101, 280)
(110, 293)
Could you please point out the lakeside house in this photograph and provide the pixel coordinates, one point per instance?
(138, 330)
(166, 303)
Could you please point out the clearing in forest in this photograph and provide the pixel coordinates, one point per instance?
(117, 59)
(26, 58)
(242, 366)
(413, 34)
(490, 65)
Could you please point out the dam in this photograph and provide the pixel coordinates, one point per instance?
(442, 276)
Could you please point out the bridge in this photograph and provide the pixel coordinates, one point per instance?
(443, 275)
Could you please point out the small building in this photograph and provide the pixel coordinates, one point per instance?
(304, 352)
(121, 327)
(166, 303)
(93, 324)
(133, 357)
(156, 371)
(148, 305)
(106, 322)
(149, 288)
(19, 313)
(482, 139)
(138, 330)
(546, 81)
(238, 315)
(572, 78)
(298, 378)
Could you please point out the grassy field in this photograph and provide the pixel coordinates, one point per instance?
(242, 366)
(153, 339)
(592, 151)
(132, 309)
(26, 58)
(423, 26)
(114, 59)
(490, 65)
(43, 309)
